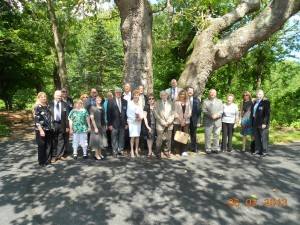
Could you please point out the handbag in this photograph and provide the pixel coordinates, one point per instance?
(181, 137)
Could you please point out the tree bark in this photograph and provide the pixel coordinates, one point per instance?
(136, 29)
(62, 68)
(208, 56)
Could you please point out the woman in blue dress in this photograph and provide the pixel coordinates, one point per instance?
(246, 120)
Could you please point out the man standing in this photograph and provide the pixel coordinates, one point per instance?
(127, 93)
(65, 97)
(117, 121)
(164, 113)
(212, 121)
(69, 101)
(261, 123)
(173, 91)
(195, 118)
(143, 100)
(60, 112)
(90, 101)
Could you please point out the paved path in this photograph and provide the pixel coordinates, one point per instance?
(191, 190)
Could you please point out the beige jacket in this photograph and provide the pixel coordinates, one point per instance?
(179, 116)
(164, 114)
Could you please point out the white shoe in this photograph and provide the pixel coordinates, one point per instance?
(184, 154)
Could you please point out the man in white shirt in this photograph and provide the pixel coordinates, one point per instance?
(173, 91)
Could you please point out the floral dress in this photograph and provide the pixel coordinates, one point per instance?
(79, 120)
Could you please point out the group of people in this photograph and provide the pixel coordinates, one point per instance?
(131, 118)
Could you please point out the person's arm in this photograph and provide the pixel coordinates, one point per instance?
(146, 120)
(88, 121)
(71, 126)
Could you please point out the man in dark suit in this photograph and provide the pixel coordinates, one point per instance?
(90, 101)
(67, 99)
(143, 99)
(195, 118)
(60, 112)
(117, 121)
(261, 123)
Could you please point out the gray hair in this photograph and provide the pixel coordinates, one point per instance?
(118, 89)
(163, 92)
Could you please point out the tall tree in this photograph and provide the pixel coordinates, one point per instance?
(136, 28)
(221, 40)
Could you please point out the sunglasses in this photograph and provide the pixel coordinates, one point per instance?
(84, 97)
(151, 98)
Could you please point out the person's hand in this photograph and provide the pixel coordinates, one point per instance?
(263, 126)
(71, 131)
(149, 128)
(235, 125)
(214, 116)
(198, 124)
(42, 133)
(126, 126)
(96, 130)
(89, 130)
(182, 123)
(67, 130)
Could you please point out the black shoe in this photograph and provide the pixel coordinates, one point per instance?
(208, 152)
(121, 153)
(85, 157)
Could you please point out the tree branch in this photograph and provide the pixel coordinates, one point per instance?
(260, 29)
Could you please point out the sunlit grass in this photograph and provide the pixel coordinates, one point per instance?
(277, 136)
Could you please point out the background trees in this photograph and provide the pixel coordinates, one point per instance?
(202, 43)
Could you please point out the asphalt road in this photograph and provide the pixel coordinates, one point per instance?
(198, 189)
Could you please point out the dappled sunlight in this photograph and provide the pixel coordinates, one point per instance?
(183, 190)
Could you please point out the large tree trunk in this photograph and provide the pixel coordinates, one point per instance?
(62, 69)
(208, 56)
(136, 29)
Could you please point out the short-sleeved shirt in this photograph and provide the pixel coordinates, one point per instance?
(79, 120)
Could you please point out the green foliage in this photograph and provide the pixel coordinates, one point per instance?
(5, 129)
(98, 62)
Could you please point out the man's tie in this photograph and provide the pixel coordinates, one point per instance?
(57, 112)
(173, 93)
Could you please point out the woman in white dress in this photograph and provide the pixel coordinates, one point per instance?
(134, 120)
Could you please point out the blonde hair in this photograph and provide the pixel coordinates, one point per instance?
(83, 95)
(248, 93)
(230, 95)
(186, 97)
(40, 94)
(135, 92)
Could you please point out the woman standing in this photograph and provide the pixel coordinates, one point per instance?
(43, 122)
(98, 138)
(79, 126)
(150, 123)
(134, 120)
(246, 120)
(229, 122)
(182, 119)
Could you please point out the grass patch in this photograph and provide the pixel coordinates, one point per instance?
(278, 135)
(5, 129)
